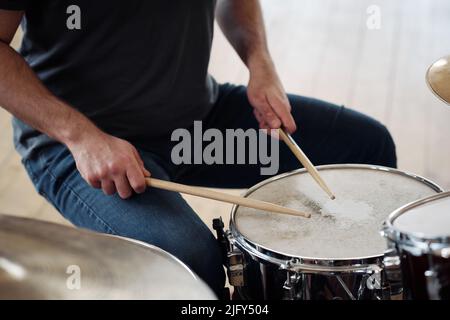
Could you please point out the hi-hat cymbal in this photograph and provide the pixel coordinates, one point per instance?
(40, 260)
(438, 78)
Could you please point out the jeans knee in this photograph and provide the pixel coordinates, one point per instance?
(213, 270)
(205, 259)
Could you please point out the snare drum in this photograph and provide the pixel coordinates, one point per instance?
(337, 253)
(420, 233)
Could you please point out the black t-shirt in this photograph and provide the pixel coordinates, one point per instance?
(136, 68)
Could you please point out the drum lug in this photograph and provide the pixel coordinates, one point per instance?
(233, 257)
(379, 284)
(236, 265)
(441, 252)
(433, 285)
(291, 286)
(393, 273)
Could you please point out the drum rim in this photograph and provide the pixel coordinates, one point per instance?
(239, 237)
(414, 239)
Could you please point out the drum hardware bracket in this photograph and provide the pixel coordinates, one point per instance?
(433, 285)
(445, 253)
(381, 285)
(290, 286)
(440, 252)
(392, 273)
(222, 238)
(232, 257)
(236, 267)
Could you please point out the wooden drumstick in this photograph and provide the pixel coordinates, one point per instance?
(224, 197)
(301, 156)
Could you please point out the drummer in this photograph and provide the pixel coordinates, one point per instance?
(98, 88)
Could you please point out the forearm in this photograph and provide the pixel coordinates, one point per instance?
(24, 96)
(243, 25)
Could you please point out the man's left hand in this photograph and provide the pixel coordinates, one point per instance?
(269, 100)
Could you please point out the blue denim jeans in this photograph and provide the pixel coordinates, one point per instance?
(326, 132)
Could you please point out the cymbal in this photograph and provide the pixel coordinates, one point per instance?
(41, 260)
(438, 78)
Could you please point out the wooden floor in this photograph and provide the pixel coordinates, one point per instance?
(324, 49)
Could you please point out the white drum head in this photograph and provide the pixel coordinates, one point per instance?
(345, 228)
(430, 219)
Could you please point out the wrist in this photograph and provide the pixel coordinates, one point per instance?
(260, 62)
(79, 132)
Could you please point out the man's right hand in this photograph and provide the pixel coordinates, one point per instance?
(110, 163)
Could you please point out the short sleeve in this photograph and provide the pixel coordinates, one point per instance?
(18, 5)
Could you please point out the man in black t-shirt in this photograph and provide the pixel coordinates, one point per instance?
(98, 87)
